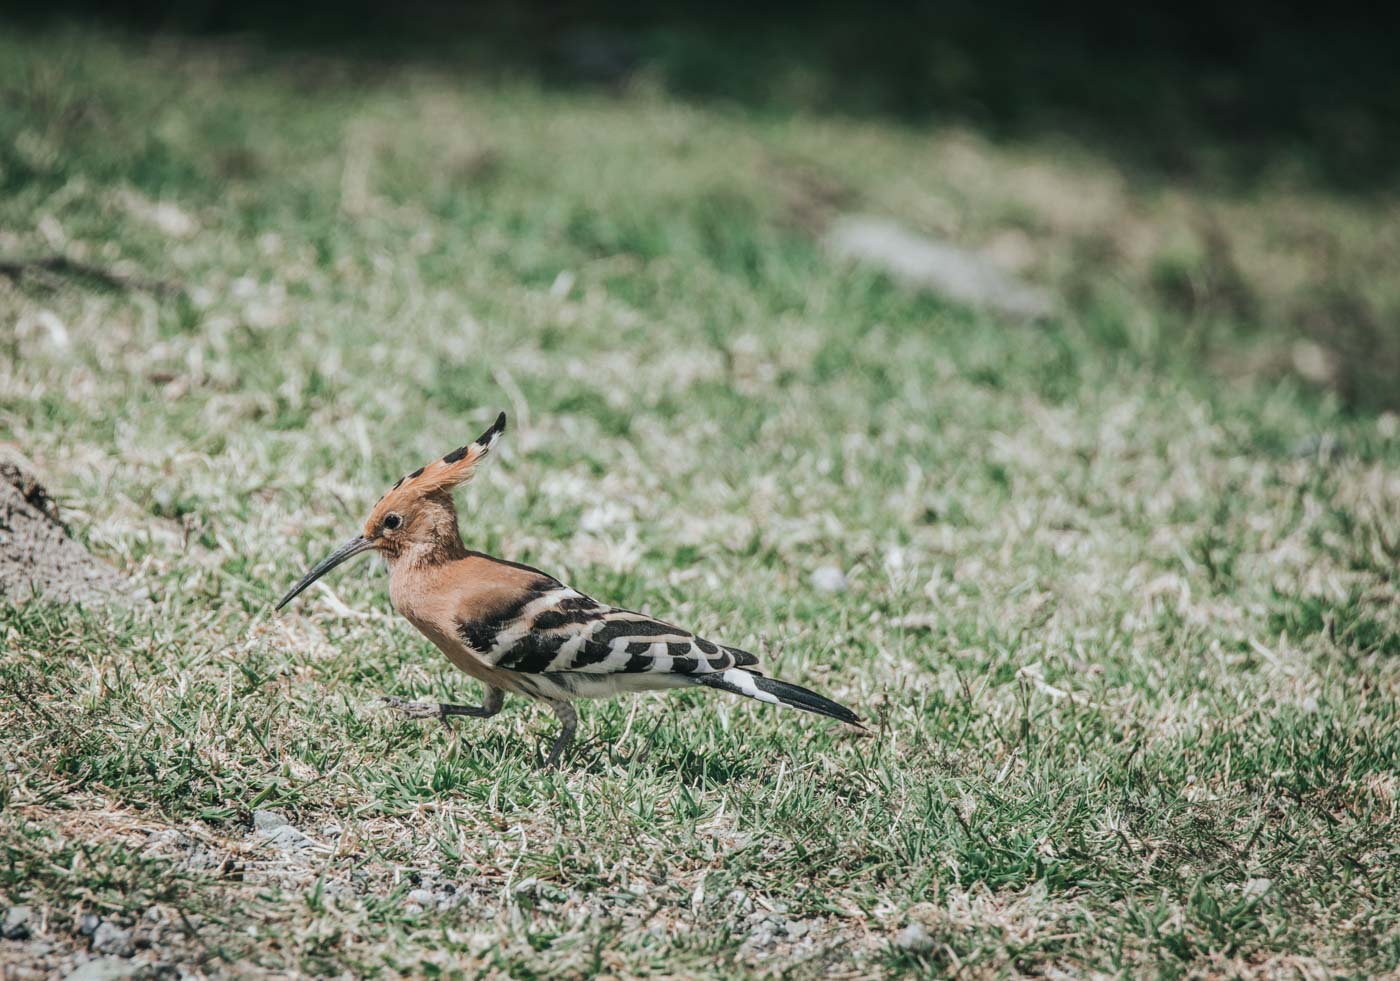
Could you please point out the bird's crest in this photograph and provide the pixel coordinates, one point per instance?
(455, 468)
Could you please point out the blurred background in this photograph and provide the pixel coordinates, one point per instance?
(1024, 376)
(1227, 131)
(1229, 91)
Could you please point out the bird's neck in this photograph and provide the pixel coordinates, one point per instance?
(438, 550)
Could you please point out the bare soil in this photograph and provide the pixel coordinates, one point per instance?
(38, 557)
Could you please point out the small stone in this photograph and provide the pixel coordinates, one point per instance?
(420, 897)
(288, 839)
(937, 266)
(169, 838)
(914, 937)
(762, 936)
(269, 821)
(103, 969)
(16, 925)
(1314, 362)
(412, 909)
(828, 579)
(202, 858)
(88, 924)
(109, 939)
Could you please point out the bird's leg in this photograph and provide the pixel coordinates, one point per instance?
(568, 721)
(489, 706)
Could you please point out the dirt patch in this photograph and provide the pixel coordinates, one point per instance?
(37, 555)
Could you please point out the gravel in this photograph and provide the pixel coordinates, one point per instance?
(16, 925)
(111, 939)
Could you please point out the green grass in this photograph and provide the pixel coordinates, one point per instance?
(1131, 659)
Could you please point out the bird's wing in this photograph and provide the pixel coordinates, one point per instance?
(553, 628)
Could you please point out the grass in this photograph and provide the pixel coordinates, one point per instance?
(1130, 648)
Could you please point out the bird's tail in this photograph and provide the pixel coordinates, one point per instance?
(777, 692)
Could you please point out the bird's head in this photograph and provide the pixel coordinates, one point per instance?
(415, 515)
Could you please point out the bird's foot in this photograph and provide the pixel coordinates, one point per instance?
(569, 719)
(412, 710)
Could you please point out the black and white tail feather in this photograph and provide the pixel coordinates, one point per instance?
(776, 692)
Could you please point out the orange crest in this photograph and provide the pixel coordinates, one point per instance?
(455, 468)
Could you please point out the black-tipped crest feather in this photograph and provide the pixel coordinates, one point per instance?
(484, 440)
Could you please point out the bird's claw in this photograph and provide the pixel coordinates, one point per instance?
(411, 710)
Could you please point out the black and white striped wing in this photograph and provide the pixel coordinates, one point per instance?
(559, 630)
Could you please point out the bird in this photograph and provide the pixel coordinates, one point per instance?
(521, 631)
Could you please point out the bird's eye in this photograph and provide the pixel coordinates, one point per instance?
(392, 521)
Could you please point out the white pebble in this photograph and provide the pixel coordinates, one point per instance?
(828, 579)
(268, 821)
(914, 937)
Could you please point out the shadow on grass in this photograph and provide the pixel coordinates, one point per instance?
(689, 767)
(1227, 92)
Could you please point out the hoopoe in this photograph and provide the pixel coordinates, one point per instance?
(516, 629)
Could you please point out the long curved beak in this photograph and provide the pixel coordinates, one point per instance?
(347, 551)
